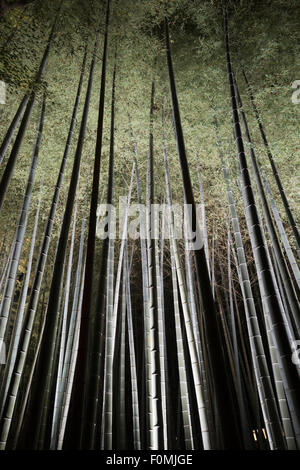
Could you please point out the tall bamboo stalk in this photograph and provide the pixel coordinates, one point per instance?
(161, 334)
(204, 225)
(22, 224)
(132, 352)
(262, 374)
(13, 125)
(70, 362)
(34, 296)
(153, 371)
(274, 168)
(227, 422)
(9, 169)
(79, 403)
(58, 426)
(119, 383)
(111, 328)
(146, 358)
(21, 310)
(291, 297)
(183, 380)
(112, 298)
(192, 347)
(281, 230)
(278, 327)
(21, 412)
(49, 333)
(64, 337)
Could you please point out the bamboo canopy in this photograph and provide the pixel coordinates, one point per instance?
(149, 249)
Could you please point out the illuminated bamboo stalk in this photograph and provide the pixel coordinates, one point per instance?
(188, 324)
(262, 374)
(10, 131)
(11, 163)
(21, 310)
(64, 338)
(83, 417)
(22, 224)
(280, 333)
(49, 335)
(225, 415)
(203, 213)
(111, 327)
(212, 272)
(161, 337)
(168, 414)
(121, 384)
(57, 431)
(3, 251)
(282, 232)
(70, 363)
(145, 401)
(35, 292)
(235, 353)
(274, 169)
(21, 413)
(183, 381)
(4, 274)
(106, 437)
(196, 315)
(6, 269)
(285, 414)
(288, 286)
(153, 375)
(111, 304)
(132, 353)
(191, 294)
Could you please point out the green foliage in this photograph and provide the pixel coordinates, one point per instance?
(265, 40)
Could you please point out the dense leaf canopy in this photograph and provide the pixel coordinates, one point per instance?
(265, 41)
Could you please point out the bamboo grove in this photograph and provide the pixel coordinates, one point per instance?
(154, 341)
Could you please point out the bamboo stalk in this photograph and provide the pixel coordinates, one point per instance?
(34, 297)
(133, 369)
(21, 310)
(50, 330)
(20, 234)
(85, 438)
(229, 430)
(274, 169)
(9, 169)
(279, 332)
(291, 297)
